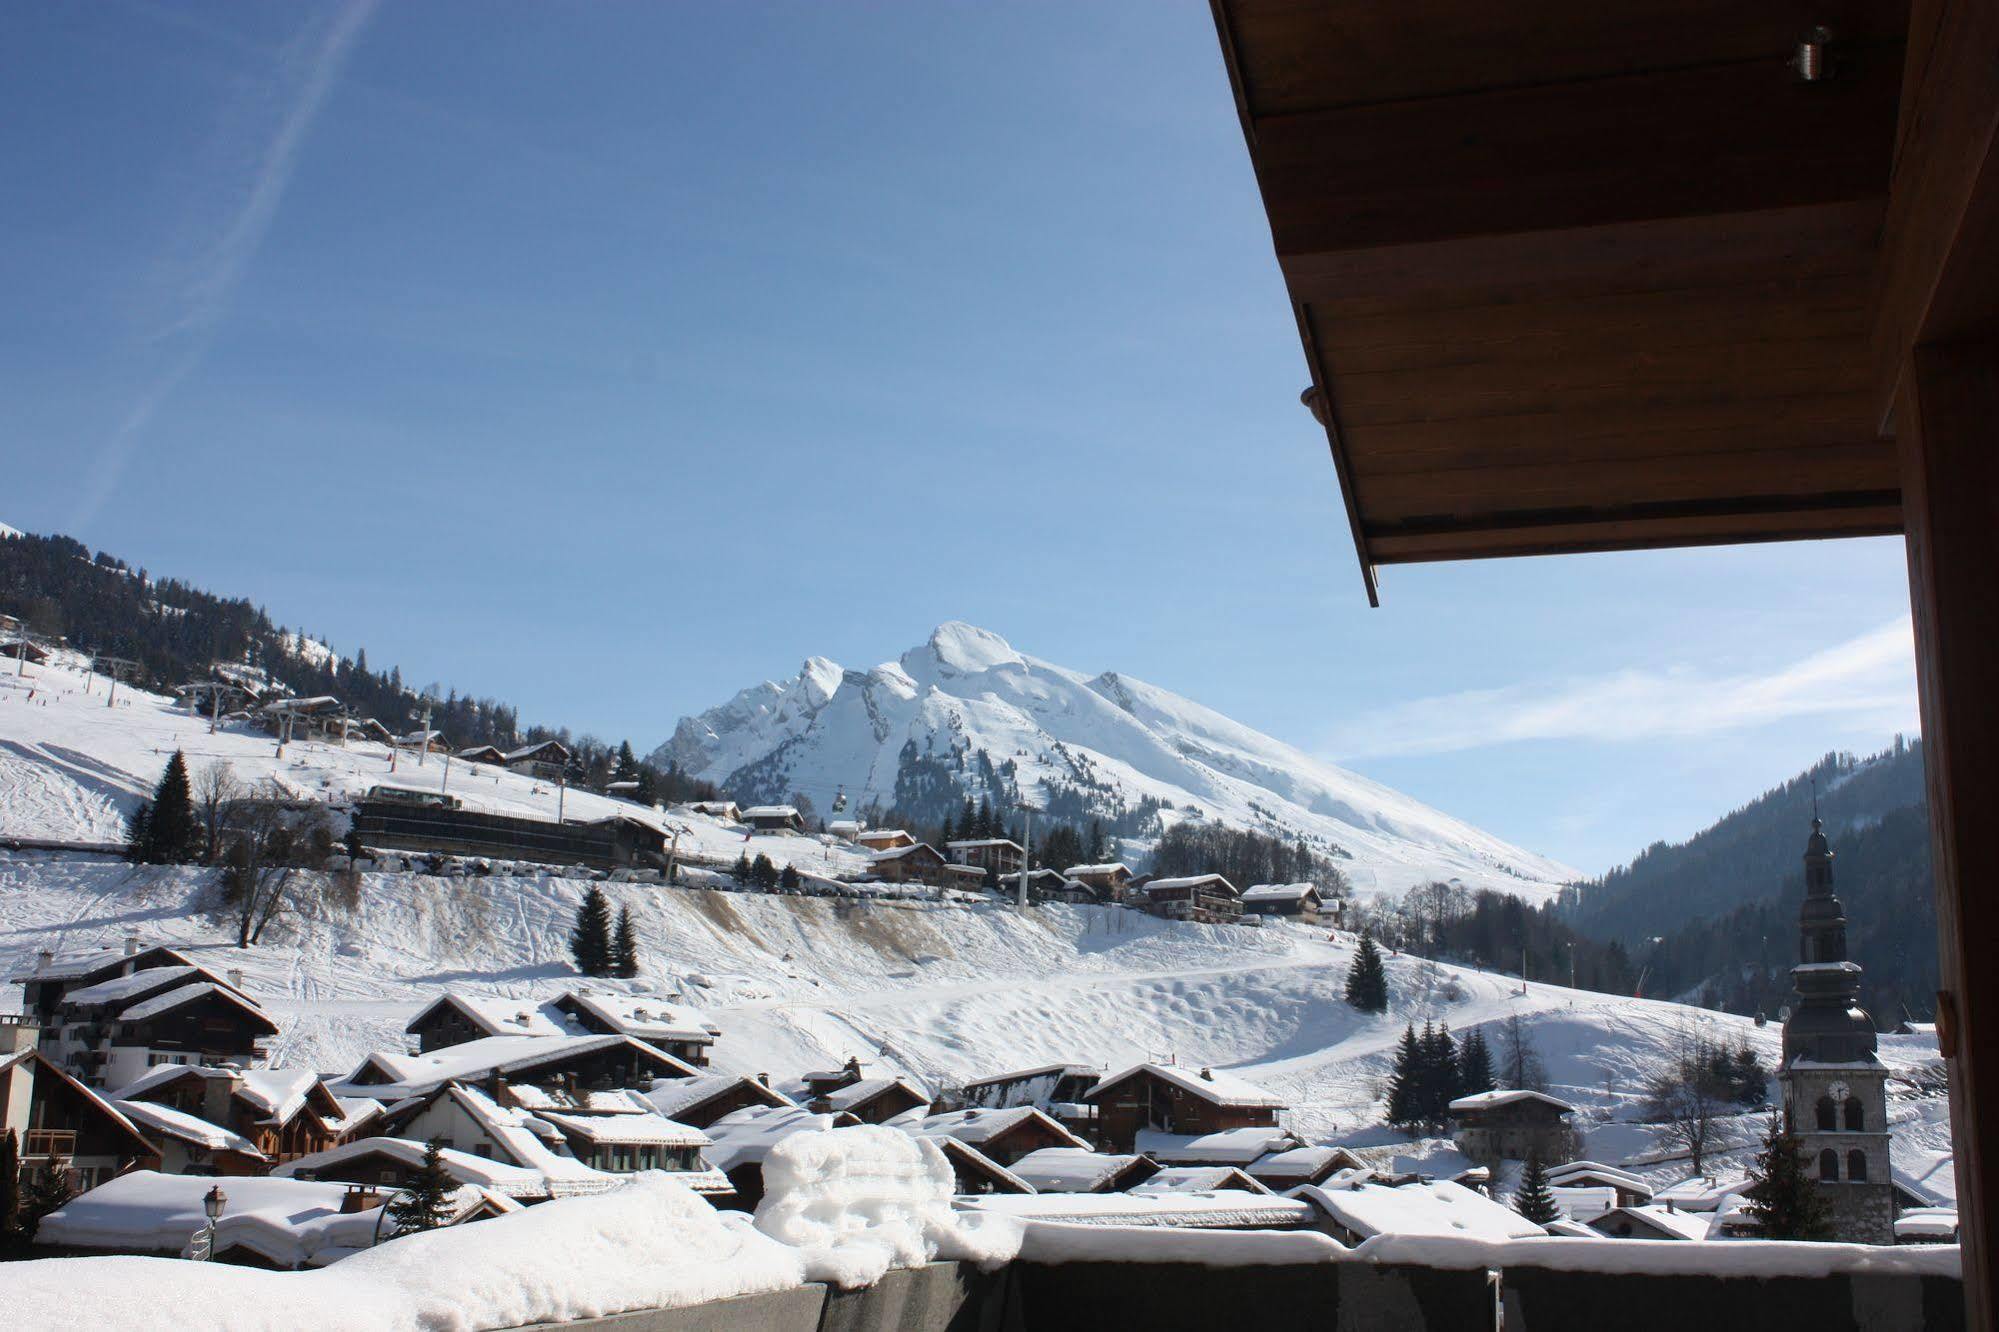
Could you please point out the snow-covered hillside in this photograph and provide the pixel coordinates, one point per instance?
(72, 768)
(1112, 739)
(941, 993)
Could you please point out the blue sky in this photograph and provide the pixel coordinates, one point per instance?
(609, 358)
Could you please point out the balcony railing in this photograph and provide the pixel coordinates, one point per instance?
(49, 1142)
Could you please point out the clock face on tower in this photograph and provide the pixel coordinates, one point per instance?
(1837, 1091)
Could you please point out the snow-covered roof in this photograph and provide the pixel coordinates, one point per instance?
(1927, 1223)
(1280, 892)
(1669, 1222)
(1301, 1163)
(882, 834)
(1584, 1203)
(500, 1176)
(843, 827)
(643, 1129)
(1190, 881)
(898, 852)
(1214, 1085)
(187, 994)
(770, 812)
(495, 1017)
(1200, 1179)
(68, 966)
(646, 1016)
(276, 1093)
(1230, 1209)
(413, 1074)
(1236, 1147)
(1701, 1193)
(1071, 1169)
(1079, 871)
(1488, 1100)
(1433, 1207)
(860, 1093)
(975, 843)
(165, 1121)
(528, 751)
(745, 1137)
(670, 1096)
(1040, 1071)
(354, 1112)
(978, 1126)
(137, 984)
(514, 1132)
(1575, 1172)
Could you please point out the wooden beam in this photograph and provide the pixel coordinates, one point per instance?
(1940, 242)
(1596, 530)
(1719, 139)
(1948, 426)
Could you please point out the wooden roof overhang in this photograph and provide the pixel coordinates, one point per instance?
(1583, 276)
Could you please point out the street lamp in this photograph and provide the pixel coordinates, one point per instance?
(212, 1204)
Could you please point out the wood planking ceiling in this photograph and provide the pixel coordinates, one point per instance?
(1590, 277)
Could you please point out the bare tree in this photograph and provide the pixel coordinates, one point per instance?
(1519, 1062)
(273, 855)
(1687, 1097)
(215, 788)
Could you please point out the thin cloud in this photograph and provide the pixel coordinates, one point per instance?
(258, 149)
(1867, 681)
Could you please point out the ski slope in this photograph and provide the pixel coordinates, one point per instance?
(940, 993)
(828, 730)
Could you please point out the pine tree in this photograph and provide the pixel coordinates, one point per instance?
(1781, 1195)
(138, 838)
(44, 1194)
(1534, 1199)
(171, 827)
(1440, 1068)
(947, 834)
(425, 1202)
(1402, 1087)
(1475, 1065)
(11, 1238)
(627, 769)
(590, 941)
(625, 946)
(985, 827)
(789, 880)
(742, 871)
(1367, 979)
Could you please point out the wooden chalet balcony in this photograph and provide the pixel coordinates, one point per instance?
(49, 1143)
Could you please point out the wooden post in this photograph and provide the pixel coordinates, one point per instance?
(1947, 427)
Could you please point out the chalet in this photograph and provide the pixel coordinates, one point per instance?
(1058, 1089)
(1004, 1135)
(706, 1097)
(742, 1139)
(821, 1083)
(593, 1063)
(1066, 890)
(883, 839)
(1286, 1170)
(277, 1223)
(682, 1032)
(1358, 1207)
(190, 1145)
(468, 1119)
(1233, 1147)
(919, 863)
(546, 759)
(1927, 1225)
(965, 878)
(774, 819)
(430, 742)
(1000, 854)
(114, 1031)
(1299, 901)
(215, 697)
(18, 649)
(389, 1164)
(1652, 1223)
(1510, 1125)
(1630, 1190)
(718, 809)
(1043, 885)
(490, 755)
(1201, 1179)
(1077, 1170)
(455, 1019)
(282, 1113)
(319, 715)
(367, 728)
(61, 1126)
(845, 829)
(441, 825)
(1108, 880)
(1208, 898)
(1583, 1202)
(1171, 1099)
(359, 1116)
(53, 977)
(975, 1174)
(619, 1139)
(871, 1100)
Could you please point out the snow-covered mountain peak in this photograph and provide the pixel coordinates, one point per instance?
(965, 714)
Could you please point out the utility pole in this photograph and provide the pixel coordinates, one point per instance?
(445, 785)
(423, 732)
(1026, 854)
(561, 793)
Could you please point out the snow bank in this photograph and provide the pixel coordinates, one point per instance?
(859, 1201)
(1070, 1242)
(1736, 1258)
(651, 1244)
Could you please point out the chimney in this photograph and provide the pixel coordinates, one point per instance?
(44, 960)
(18, 1033)
(359, 1198)
(235, 975)
(1207, 1075)
(764, 1078)
(131, 945)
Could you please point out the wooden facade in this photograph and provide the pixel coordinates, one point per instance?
(1150, 1097)
(1208, 898)
(988, 853)
(62, 1126)
(909, 864)
(1510, 1125)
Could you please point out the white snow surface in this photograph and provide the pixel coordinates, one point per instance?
(650, 1244)
(828, 730)
(859, 1201)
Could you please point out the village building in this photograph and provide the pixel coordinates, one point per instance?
(1835, 1085)
(1000, 854)
(774, 819)
(1004, 1135)
(190, 1145)
(113, 1031)
(871, 1100)
(42, 989)
(965, 878)
(1232, 1147)
(681, 1031)
(367, 728)
(457, 1019)
(974, 1174)
(1285, 1170)
(1073, 891)
(19, 649)
(919, 863)
(322, 715)
(1208, 898)
(1511, 1125)
(281, 1113)
(700, 1100)
(742, 1139)
(387, 1165)
(581, 1063)
(546, 759)
(430, 742)
(1108, 880)
(405, 819)
(1927, 1225)
(844, 829)
(59, 1124)
(491, 755)
(1171, 1099)
(471, 1119)
(1630, 1190)
(1358, 1207)
(1078, 1170)
(1057, 1089)
(1201, 1179)
(883, 839)
(717, 809)
(1650, 1222)
(1298, 901)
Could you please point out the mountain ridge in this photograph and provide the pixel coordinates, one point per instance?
(965, 713)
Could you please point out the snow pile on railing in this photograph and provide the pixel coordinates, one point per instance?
(859, 1201)
(650, 1245)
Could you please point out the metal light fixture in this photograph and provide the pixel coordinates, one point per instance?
(213, 1203)
(1810, 61)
